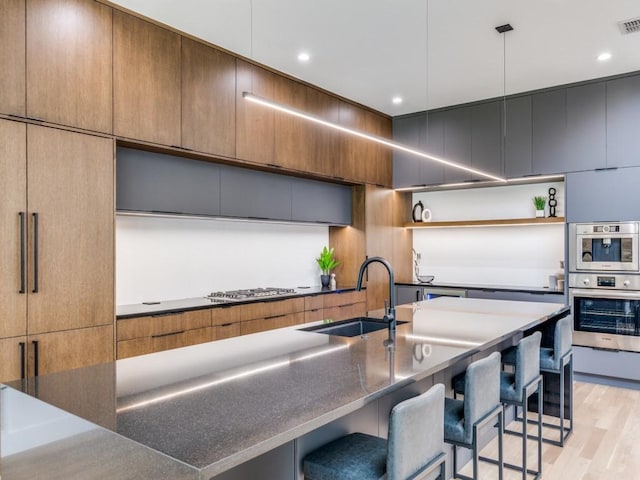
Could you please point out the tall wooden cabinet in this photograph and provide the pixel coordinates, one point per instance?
(12, 58)
(69, 58)
(57, 270)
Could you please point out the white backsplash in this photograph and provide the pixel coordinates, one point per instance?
(171, 258)
(510, 255)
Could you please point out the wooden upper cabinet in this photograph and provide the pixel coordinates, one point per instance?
(362, 160)
(69, 63)
(12, 57)
(13, 185)
(70, 178)
(208, 99)
(379, 170)
(255, 124)
(146, 76)
(301, 144)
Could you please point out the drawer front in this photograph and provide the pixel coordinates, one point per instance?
(162, 324)
(224, 315)
(313, 315)
(228, 330)
(344, 312)
(313, 302)
(344, 298)
(142, 346)
(260, 310)
(280, 321)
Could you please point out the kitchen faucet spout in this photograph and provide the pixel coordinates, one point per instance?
(390, 313)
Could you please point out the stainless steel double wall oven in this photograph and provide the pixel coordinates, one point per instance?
(604, 284)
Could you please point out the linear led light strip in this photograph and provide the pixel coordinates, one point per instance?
(397, 146)
(230, 378)
(529, 179)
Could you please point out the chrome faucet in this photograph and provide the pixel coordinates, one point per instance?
(390, 313)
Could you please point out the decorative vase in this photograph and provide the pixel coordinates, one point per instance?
(539, 213)
(325, 279)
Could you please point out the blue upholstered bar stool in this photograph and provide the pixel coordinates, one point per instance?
(481, 405)
(554, 361)
(517, 387)
(415, 448)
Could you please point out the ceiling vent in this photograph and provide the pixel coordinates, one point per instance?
(630, 26)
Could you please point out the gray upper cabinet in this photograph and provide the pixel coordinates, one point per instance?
(157, 183)
(432, 142)
(253, 194)
(623, 122)
(322, 202)
(586, 128)
(517, 142)
(591, 126)
(457, 143)
(406, 167)
(549, 130)
(603, 195)
(425, 134)
(151, 182)
(486, 138)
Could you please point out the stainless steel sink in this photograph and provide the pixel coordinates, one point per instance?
(350, 328)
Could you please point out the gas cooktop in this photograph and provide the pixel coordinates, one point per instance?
(236, 295)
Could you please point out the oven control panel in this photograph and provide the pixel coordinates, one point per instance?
(605, 281)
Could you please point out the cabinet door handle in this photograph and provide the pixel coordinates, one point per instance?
(23, 370)
(275, 316)
(169, 314)
(35, 357)
(35, 253)
(23, 287)
(159, 335)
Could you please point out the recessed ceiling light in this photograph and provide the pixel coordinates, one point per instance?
(604, 56)
(396, 100)
(303, 57)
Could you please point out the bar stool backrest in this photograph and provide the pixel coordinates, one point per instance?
(481, 391)
(528, 361)
(416, 433)
(562, 340)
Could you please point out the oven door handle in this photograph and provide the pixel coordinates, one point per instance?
(608, 294)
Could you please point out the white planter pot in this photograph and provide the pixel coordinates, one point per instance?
(539, 213)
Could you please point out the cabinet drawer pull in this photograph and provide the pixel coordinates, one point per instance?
(35, 252)
(23, 288)
(347, 305)
(274, 316)
(227, 324)
(167, 334)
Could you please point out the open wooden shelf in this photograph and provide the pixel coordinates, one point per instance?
(487, 223)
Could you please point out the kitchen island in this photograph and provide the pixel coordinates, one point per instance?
(256, 403)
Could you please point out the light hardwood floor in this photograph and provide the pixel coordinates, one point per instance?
(605, 443)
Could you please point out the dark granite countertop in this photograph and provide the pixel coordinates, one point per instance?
(198, 303)
(216, 405)
(485, 286)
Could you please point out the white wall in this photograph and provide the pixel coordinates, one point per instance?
(171, 258)
(510, 255)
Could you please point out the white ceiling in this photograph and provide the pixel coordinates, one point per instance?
(372, 50)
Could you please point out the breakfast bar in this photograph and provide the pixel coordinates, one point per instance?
(256, 403)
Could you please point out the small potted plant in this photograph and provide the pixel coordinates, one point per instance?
(326, 262)
(539, 203)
